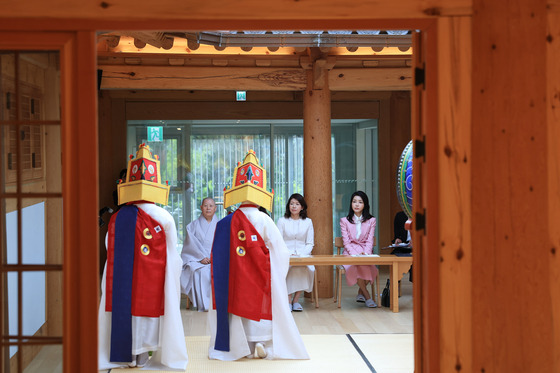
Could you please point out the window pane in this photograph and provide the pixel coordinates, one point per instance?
(10, 297)
(10, 226)
(41, 161)
(10, 359)
(39, 86)
(46, 359)
(41, 316)
(288, 169)
(198, 158)
(213, 160)
(34, 303)
(53, 306)
(7, 86)
(8, 154)
(42, 303)
(41, 231)
(30, 154)
(43, 359)
(355, 167)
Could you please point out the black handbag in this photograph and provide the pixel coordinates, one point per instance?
(386, 296)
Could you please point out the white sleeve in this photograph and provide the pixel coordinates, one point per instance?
(310, 239)
(281, 226)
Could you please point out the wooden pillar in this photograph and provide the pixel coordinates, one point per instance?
(513, 320)
(81, 203)
(454, 66)
(384, 218)
(553, 171)
(317, 166)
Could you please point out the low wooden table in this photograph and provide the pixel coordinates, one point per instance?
(399, 266)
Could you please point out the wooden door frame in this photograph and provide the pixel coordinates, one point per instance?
(80, 164)
(79, 185)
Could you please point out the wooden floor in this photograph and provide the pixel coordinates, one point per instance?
(351, 318)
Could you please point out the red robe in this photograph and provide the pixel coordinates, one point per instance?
(240, 274)
(150, 255)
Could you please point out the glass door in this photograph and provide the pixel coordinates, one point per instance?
(48, 203)
(31, 211)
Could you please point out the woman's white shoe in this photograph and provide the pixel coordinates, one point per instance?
(260, 351)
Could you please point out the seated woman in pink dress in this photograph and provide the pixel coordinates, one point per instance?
(358, 231)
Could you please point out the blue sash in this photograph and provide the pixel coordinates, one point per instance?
(121, 323)
(220, 273)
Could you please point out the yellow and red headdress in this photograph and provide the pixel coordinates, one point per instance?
(143, 179)
(249, 184)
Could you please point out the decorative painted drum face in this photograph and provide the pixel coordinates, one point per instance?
(404, 180)
(143, 169)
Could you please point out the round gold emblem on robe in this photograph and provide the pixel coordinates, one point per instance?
(145, 249)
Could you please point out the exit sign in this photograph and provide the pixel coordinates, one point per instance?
(241, 95)
(155, 133)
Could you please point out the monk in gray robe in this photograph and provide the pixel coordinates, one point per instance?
(196, 274)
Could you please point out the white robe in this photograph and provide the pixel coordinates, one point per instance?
(299, 238)
(286, 342)
(196, 279)
(164, 335)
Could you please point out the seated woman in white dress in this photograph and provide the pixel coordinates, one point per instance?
(297, 230)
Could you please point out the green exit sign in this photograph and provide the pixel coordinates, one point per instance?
(155, 133)
(241, 95)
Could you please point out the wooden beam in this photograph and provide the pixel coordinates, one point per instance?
(184, 110)
(371, 79)
(213, 110)
(203, 78)
(197, 95)
(264, 11)
(250, 78)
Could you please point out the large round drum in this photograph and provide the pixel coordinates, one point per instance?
(404, 180)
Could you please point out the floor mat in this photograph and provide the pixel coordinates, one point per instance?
(356, 353)
(387, 353)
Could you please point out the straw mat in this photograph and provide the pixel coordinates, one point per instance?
(356, 353)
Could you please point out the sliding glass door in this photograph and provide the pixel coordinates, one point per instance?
(198, 159)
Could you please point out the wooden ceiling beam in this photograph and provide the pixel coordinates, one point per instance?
(252, 96)
(243, 110)
(371, 79)
(203, 78)
(250, 78)
(234, 15)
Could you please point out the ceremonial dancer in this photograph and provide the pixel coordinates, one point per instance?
(140, 290)
(195, 278)
(249, 265)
